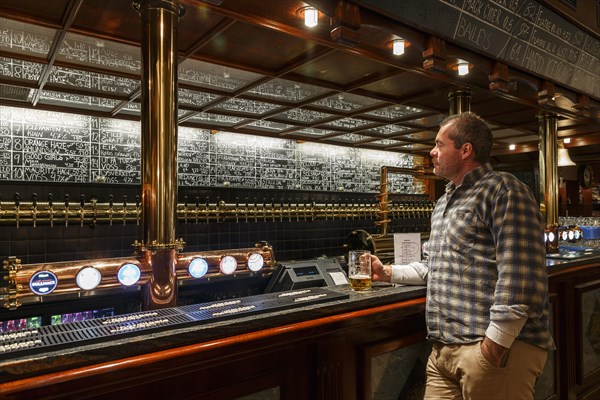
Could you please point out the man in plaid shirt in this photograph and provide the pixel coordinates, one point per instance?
(485, 271)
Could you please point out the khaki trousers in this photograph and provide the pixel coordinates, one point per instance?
(461, 372)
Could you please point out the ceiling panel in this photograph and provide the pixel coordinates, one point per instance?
(252, 67)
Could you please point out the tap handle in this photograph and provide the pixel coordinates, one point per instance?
(82, 200)
(17, 199)
(185, 201)
(67, 197)
(197, 201)
(34, 200)
(137, 201)
(124, 200)
(110, 200)
(50, 199)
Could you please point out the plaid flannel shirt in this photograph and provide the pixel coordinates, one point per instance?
(487, 260)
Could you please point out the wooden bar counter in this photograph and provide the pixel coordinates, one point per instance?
(364, 346)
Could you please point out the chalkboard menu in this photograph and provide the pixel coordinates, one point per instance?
(522, 33)
(45, 146)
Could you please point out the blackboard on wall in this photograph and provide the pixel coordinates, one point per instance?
(522, 33)
(45, 146)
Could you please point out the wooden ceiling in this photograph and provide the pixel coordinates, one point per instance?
(253, 67)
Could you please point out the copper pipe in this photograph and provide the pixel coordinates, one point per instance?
(460, 101)
(383, 195)
(159, 148)
(15, 277)
(548, 137)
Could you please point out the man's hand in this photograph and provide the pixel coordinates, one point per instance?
(379, 271)
(494, 353)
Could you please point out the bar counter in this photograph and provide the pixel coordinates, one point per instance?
(332, 350)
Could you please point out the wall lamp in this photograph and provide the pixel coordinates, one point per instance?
(564, 160)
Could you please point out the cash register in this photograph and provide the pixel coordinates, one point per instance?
(317, 272)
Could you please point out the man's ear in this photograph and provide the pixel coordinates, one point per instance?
(467, 150)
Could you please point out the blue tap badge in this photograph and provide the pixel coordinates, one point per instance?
(43, 282)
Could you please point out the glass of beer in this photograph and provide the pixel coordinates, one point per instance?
(359, 269)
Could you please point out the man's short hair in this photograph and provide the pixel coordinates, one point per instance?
(471, 128)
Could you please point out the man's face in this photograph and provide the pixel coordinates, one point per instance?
(447, 160)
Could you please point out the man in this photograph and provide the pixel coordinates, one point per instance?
(485, 271)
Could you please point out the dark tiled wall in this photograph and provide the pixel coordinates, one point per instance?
(290, 239)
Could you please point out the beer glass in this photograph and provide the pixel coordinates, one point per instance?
(359, 269)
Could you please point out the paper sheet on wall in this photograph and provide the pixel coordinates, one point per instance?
(407, 247)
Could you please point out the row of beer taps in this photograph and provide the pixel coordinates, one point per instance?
(193, 210)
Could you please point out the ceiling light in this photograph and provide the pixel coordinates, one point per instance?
(564, 160)
(567, 140)
(463, 68)
(398, 47)
(512, 147)
(311, 16)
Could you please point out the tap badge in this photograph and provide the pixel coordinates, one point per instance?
(43, 282)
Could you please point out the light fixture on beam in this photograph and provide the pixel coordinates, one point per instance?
(564, 160)
(398, 47)
(463, 68)
(512, 146)
(311, 16)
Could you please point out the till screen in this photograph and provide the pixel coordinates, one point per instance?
(306, 271)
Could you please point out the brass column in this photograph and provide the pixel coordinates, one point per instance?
(159, 149)
(460, 101)
(548, 188)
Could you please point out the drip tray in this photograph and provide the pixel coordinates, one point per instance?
(54, 337)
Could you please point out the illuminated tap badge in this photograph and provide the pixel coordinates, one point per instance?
(129, 274)
(43, 282)
(198, 267)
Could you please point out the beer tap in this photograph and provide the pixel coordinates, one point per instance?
(197, 209)
(281, 211)
(306, 211)
(207, 209)
(124, 209)
(255, 210)
(66, 211)
(34, 209)
(237, 209)
(246, 213)
(264, 209)
(17, 207)
(289, 210)
(347, 209)
(138, 209)
(313, 210)
(94, 211)
(110, 209)
(273, 209)
(81, 208)
(185, 208)
(51, 209)
(218, 205)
